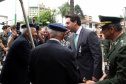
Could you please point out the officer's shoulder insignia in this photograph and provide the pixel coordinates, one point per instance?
(123, 42)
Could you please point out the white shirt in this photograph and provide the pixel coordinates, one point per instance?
(54, 39)
(78, 33)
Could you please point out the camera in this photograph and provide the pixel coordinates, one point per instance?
(18, 28)
(37, 28)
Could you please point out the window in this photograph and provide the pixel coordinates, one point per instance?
(96, 25)
(90, 25)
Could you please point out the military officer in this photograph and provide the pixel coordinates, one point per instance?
(116, 58)
(3, 40)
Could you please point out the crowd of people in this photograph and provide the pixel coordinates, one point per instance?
(69, 54)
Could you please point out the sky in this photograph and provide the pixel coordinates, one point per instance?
(90, 7)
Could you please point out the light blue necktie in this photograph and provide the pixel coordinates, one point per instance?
(75, 40)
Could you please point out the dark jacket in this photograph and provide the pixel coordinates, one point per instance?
(88, 54)
(51, 63)
(15, 68)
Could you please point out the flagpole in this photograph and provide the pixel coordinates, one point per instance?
(27, 24)
(15, 12)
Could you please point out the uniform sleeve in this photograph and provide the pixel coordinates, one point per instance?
(0, 37)
(95, 48)
(106, 49)
(120, 76)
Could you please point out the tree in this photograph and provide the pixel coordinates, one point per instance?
(22, 22)
(64, 10)
(71, 6)
(79, 11)
(47, 16)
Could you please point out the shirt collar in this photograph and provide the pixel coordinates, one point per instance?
(117, 37)
(78, 31)
(54, 39)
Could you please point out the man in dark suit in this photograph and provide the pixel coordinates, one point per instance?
(116, 56)
(86, 46)
(51, 63)
(15, 68)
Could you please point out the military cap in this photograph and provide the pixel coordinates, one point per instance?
(30, 25)
(5, 26)
(58, 27)
(105, 20)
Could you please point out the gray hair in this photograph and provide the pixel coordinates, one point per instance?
(55, 33)
(23, 30)
(45, 28)
(116, 26)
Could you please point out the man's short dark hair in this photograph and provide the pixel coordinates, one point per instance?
(73, 18)
(13, 27)
(116, 26)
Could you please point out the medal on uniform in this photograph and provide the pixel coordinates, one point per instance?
(80, 51)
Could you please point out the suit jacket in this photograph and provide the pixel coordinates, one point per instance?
(15, 68)
(116, 62)
(51, 63)
(90, 61)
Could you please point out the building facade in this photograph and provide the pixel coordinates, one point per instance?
(3, 20)
(33, 10)
(89, 18)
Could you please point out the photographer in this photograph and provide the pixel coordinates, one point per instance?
(39, 40)
(15, 33)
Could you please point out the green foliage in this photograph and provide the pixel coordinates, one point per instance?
(79, 11)
(30, 20)
(22, 22)
(47, 16)
(64, 10)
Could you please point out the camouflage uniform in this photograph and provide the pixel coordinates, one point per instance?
(4, 40)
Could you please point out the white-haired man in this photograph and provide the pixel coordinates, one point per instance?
(51, 63)
(15, 68)
(45, 33)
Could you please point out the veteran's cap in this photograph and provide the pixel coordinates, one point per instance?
(105, 20)
(30, 25)
(58, 27)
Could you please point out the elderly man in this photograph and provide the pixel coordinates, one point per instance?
(45, 33)
(15, 68)
(51, 63)
(116, 57)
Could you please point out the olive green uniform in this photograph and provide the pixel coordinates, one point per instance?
(116, 62)
(4, 40)
(106, 49)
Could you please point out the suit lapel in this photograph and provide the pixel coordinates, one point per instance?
(72, 43)
(111, 50)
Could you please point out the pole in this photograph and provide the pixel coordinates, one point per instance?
(15, 12)
(71, 7)
(27, 24)
(124, 19)
(38, 12)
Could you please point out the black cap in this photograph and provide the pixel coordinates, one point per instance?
(105, 20)
(58, 27)
(30, 24)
